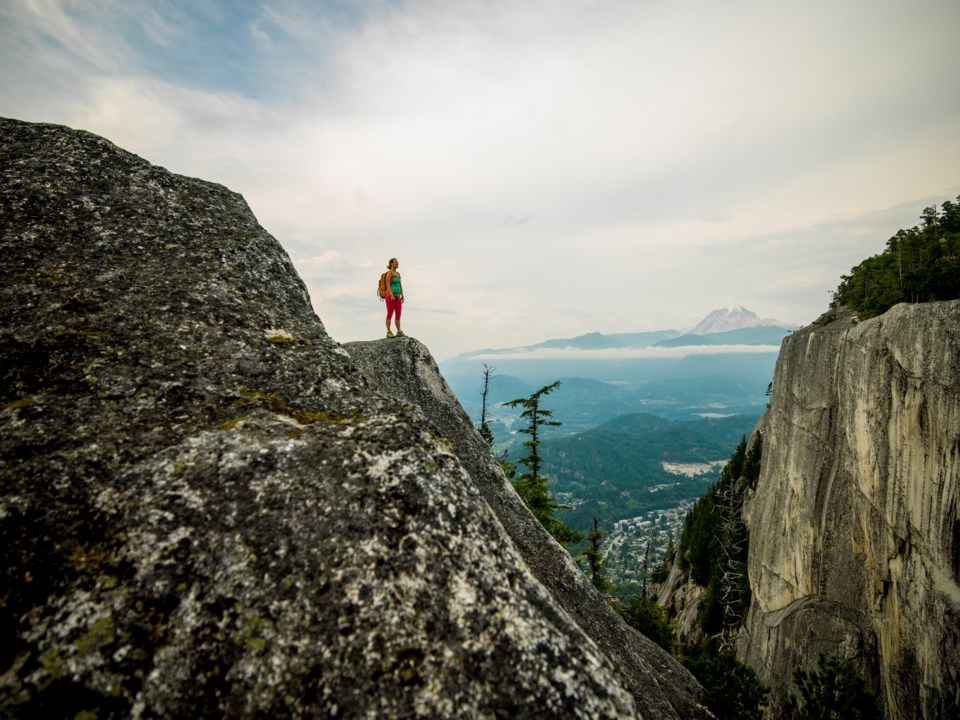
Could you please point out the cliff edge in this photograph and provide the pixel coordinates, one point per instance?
(402, 368)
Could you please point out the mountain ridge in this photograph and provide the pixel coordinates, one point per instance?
(720, 327)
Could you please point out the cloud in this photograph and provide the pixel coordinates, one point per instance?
(624, 353)
(541, 168)
(48, 21)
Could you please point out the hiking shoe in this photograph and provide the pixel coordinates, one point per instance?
(389, 334)
(400, 333)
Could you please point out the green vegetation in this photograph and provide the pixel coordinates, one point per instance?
(646, 615)
(662, 571)
(713, 549)
(615, 471)
(485, 431)
(255, 398)
(921, 264)
(100, 635)
(714, 543)
(732, 689)
(593, 558)
(15, 404)
(532, 485)
(831, 692)
(627, 452)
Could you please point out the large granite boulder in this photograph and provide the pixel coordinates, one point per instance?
(403, 368)
(854, 525)
(204, 510)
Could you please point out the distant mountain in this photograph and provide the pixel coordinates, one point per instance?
(738, 326)
(599, 341)
(686, 388)
(754, 335)
(607, 375)
(737, 318)
(589, 341)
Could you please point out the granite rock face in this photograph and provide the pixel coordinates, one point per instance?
(682, 597)
(204, 509)
(402, 368)
(854, 527)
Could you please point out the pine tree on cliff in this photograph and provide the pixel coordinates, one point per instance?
(593, 556)
(832, 690)
(531, 485)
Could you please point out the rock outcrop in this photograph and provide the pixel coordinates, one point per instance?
(854, 528)
(403, 369)
(205, 511)
(682, 597)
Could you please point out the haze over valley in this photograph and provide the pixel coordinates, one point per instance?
(648, 419)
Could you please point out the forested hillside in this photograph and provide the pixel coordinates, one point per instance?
(616, 471)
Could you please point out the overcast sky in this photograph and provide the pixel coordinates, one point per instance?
(541, 168)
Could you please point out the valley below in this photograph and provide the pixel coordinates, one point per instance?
(640, 438)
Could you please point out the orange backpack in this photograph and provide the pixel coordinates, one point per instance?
(382, 287)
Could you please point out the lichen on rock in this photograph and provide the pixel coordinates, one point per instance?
(403, 368)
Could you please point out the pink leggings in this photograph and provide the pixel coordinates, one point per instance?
(393, 306)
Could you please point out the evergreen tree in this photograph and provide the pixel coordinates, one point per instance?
(662, 571)
(531, 485)
(594, 558)
(733, 690)
(714, 544)
(831, 692)
(646, 615)
(921, 264)
(509, 469)
(713, 547)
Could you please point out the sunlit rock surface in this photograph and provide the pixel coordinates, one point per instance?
(204, 511)
(402, 368)
(854, 533)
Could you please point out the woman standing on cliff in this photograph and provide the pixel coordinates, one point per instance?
(394, 296)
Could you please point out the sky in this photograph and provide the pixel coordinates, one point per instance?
(540, 168)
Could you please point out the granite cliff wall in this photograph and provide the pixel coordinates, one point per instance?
(854, 531)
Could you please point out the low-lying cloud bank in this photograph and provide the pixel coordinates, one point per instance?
(622, 353)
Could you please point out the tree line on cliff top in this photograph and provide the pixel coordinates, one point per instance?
(921, 264)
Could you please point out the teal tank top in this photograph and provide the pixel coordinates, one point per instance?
(395, 285)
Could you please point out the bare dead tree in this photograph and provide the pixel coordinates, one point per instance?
(484, 428)
(732, 539)
(487, 374)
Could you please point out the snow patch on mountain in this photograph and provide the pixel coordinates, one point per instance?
(736, 318)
